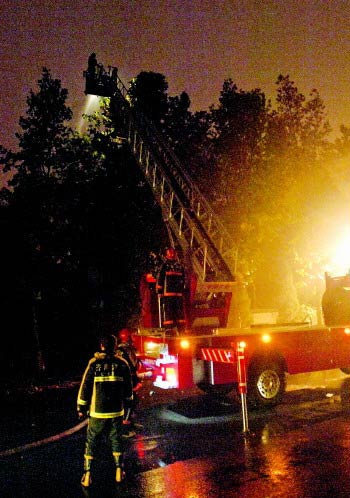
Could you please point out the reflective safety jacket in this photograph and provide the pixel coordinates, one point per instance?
(171, 279)
(105, 387)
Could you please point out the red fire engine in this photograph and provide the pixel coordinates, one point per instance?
(217, 323)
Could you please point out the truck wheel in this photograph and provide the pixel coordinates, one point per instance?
(345, 370)
(266, 383)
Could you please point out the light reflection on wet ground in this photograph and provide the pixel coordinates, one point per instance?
(299, 449)
(298, 464)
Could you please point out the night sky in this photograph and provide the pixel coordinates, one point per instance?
(196, 44)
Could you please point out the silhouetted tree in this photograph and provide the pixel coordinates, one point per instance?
(148, 95)
(238, 128)
(52, 203)
(189, 136)
(30, 201)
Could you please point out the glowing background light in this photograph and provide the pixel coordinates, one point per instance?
(340, 254)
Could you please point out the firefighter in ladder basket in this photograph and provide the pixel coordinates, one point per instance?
(170, 289)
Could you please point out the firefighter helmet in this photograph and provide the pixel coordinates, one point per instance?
(170, 253)
(124, 335)
(107, 343)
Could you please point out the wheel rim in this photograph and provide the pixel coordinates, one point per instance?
(268, 384)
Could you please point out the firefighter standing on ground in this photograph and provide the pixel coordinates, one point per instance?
(170, 288)
(105, 387)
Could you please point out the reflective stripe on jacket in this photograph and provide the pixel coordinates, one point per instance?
(105, 385)
(171, 279)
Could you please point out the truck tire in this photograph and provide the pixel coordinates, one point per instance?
(266, 383)
(345, 370)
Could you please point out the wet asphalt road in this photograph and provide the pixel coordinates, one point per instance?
(189, 448)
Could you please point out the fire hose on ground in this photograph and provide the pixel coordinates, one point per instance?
(51, 439)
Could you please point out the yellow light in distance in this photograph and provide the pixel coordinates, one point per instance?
(340, 260)
(266, 338)
(184, 343)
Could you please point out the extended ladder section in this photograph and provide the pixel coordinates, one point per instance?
(188, 215)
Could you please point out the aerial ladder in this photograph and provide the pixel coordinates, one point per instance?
(189, 218)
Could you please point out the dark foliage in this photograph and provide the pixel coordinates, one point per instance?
(78, 224)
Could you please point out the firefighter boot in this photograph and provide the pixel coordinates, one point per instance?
(119, 472)
(86, 478)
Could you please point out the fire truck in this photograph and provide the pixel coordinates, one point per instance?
(217, 321)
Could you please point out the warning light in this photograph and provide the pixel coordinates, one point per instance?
(184, 343)
(347, 331)
(149, 346)
(170, 376)
(242, 344)
(266, 338)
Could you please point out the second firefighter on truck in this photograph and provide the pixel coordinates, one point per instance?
(126, 349)
(170, 289)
